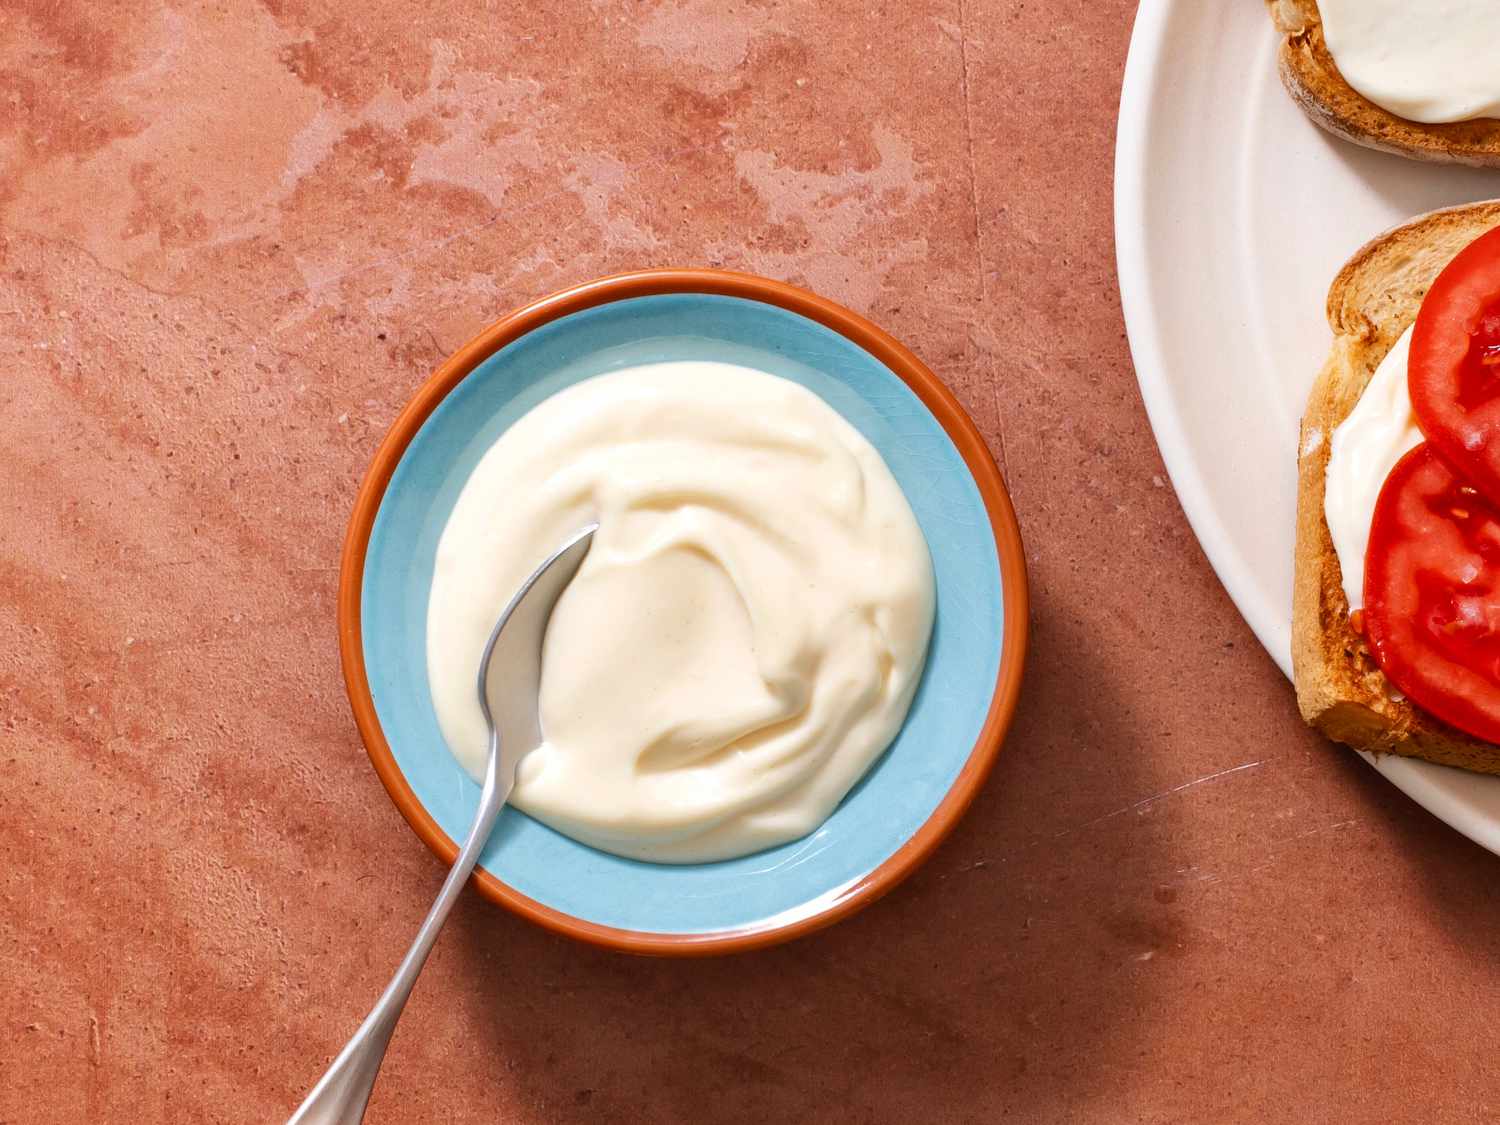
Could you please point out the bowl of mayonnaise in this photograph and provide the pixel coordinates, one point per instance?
(790, 657)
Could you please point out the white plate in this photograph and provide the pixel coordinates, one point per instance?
(1233, 212)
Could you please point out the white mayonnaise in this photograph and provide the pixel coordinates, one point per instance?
(1425, 60)
(745, 635)
(1364, 448)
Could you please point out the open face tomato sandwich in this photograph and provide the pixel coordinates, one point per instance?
(1396, 608)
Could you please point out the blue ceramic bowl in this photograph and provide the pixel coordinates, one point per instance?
(911, 797)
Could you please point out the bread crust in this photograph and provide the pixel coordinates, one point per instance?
(1313, 79)
(1340, 689)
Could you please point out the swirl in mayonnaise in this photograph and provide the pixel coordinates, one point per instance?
(745, 636)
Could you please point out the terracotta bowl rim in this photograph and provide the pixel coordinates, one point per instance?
(944, 408)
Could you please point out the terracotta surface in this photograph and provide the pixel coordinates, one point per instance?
(234, 237)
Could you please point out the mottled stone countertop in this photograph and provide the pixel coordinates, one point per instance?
(236, 235)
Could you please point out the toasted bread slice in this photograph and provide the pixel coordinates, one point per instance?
(1313, 79)
(1340, 690)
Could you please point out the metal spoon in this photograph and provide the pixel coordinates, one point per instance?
(510, 676)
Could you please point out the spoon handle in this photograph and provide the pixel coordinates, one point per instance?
(340, 1096)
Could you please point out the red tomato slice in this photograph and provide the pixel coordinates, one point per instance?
(1454, 370)
(1432, 592)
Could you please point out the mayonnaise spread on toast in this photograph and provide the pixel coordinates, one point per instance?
(1363, 449)
(745, 635)
(1430, 61)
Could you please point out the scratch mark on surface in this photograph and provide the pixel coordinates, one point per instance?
(1278, 849)
(977, 865)
(1159, 796)
(984, 295)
